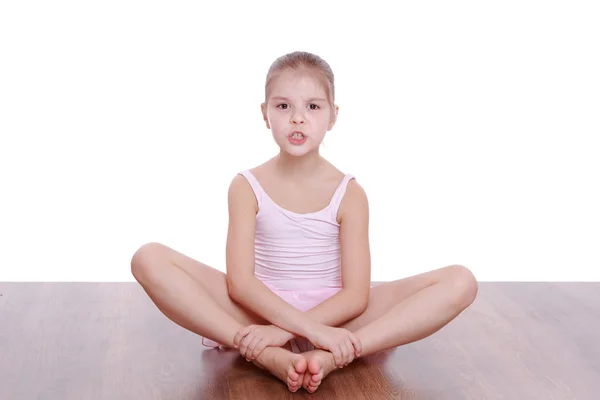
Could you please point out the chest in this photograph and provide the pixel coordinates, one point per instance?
(301, 198)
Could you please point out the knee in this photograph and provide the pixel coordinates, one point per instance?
(464, 285)
(146, 259)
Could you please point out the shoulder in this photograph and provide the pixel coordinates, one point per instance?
(239, 184)
(354, 204)
(355, 196)
(240, 193)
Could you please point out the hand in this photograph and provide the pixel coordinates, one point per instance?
(342, 343)
(253, 339)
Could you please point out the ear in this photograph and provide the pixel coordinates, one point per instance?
(264, 113)
(334, 119)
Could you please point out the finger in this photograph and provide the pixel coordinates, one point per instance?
(350, 350)
(257, 338)
(260, 346)
(251, 347)
(240, 335)
(346, 348)
(357, 344)
(345, 354)
(337, 356)
(244, 344)
(236, 339)
(335, 351)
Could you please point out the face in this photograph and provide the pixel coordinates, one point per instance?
(298, 103)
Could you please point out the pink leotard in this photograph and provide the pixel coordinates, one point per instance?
(298, 256)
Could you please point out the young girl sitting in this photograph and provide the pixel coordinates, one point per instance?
(297, 298)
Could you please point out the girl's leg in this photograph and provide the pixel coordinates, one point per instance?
(413, 308)
(401, 312)
(191, 294)
(195, 296)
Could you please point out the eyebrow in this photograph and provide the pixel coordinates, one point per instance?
(311, 99)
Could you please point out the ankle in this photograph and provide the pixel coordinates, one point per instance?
(266, 356)
(327, 357)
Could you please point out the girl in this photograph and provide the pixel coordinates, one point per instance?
(296, 299)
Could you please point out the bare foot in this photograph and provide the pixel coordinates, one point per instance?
(320, 364)
(283, 364)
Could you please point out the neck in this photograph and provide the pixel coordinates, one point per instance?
(299, 167)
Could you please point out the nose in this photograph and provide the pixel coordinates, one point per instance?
(297, 117)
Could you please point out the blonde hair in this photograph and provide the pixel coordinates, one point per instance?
(303, 60)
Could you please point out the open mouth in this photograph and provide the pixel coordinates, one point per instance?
(297, 138)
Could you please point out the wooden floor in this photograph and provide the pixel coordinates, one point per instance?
(521, 341)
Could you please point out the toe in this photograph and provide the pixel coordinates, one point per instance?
(300, 365)
(293, 386)
(316, 378)
(293, 376)
(306, 381)
(312, 388)
(292, 382)
(314, 366)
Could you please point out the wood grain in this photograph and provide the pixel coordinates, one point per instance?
(521, 341)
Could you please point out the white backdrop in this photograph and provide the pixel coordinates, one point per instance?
(473, 126)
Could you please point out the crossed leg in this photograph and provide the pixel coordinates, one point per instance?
(195, 296)
(402, 312)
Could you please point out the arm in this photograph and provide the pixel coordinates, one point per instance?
(242, 285)
(352, 300)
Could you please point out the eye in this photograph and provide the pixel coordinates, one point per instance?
(316, 107)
